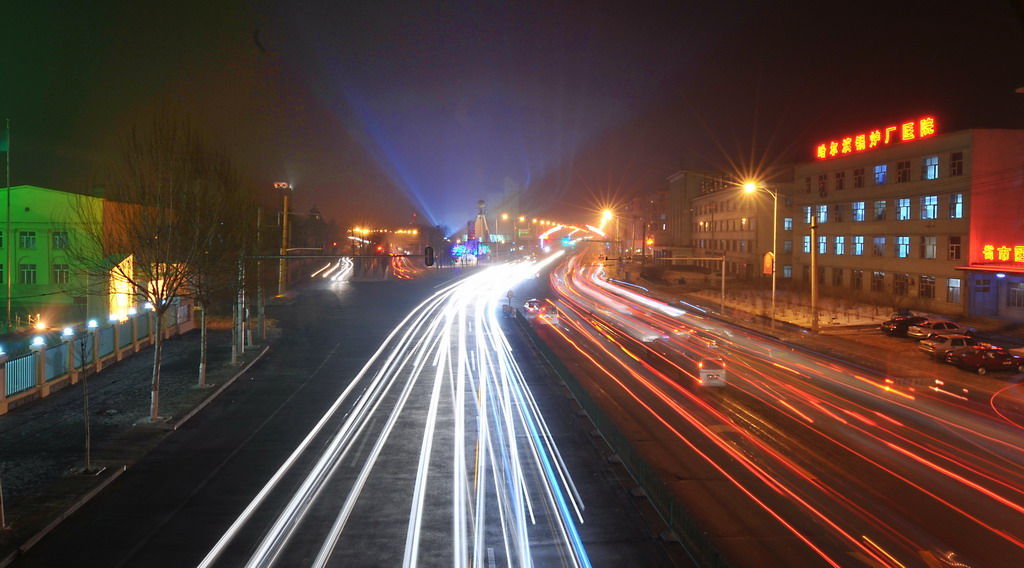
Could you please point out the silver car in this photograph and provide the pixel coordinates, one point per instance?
(944, 346)
(935, 328)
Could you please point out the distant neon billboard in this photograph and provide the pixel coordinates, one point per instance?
(1002, 253)
(876, 138)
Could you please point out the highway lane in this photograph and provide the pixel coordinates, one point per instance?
(852, 467)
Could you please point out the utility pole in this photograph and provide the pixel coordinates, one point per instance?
(282, 268)
(814, 274)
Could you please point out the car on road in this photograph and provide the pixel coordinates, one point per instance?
(532, 306)
(942, 346)
(898, 325)
(984, 359)
(934, 328)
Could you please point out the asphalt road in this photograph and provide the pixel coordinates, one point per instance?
(174, 505)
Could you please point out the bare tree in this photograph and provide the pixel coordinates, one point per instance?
(159, 218)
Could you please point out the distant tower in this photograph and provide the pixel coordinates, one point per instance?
(483, 234)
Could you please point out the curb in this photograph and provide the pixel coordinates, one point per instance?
(4, 562)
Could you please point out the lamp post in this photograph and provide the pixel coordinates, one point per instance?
(282, 267)
(751, 187)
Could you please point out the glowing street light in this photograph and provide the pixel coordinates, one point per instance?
(751, 187)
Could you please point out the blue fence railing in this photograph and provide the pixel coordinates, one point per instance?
(21, 373)
(56, 361)
(124, 333)
(106, 341)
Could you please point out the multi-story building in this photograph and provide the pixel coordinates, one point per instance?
(914, 218)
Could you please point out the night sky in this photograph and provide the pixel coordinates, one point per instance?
(376, 110)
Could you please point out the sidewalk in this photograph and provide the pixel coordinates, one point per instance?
(42, 444)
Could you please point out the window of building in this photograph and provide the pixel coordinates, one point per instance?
(900, 284)
(956, 206)
(879, 247)
(787, 224)
(930, 167)
(27, 274)
(807, 244)
(822, 244)
(823, 213)
(858, 245)
(1, 274)
(840, 180)
(903, 171)
(858, 210)
(1015, 295)
(926, 287)
(930, 207)
(807, 184)
(954, 247)
(858, 177)
(1, 239)
(837, 276)
(807, 214)
(822, 184)
(903, 209)
(929, 246)
(60, 240)
(61, 273)
(953, 290)
(880, 174)
(877, 281)
(837, 213)
(787, 271)
(856, 279)
(880, 210)
(787, 246)
(956, 165)
(902, 247)
(840, 245)
(983, 286)
(743, 245)
(27, 239)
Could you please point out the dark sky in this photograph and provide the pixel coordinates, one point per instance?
(374, 110)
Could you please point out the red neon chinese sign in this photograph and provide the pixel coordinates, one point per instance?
(904, 132)
(1003, 253)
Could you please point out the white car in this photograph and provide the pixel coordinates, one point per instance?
(935, 328)
(943, 346)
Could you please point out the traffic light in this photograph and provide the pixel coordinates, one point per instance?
(428, 256)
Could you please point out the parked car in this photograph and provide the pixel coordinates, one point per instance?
(934, 328)
(984, 359)
(899, 323)
(944, 345)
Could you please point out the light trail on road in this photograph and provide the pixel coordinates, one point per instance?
(435, 453)
(855, 467)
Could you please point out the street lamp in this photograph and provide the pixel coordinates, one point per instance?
(751, 187)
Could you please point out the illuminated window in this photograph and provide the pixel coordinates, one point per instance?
(956, 164)
(822, 244)
(60, 240)
(956, 206)
(27, 239)
(880, 210)
(787, 224)
(837, 276)
(787, 271)
(900, 284)
(926, 287)
(930, 207)
(840, 245)
(807, 244)
(1015, 295)
(953, 290)
(929, 247)
(822, 184)
(877, 281)
(954, 247)
(903, 209)
(856, 279)
(858, 210)
(27, 274)
(823, 213)
(903, 171)
(858, 177)
(840, 180)
(858, 245)
(902, 247)
(879, 246)
(837, 213)
(807, 214)
(880, 174)
(787, 246)
(930, 168)
(61, 274)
